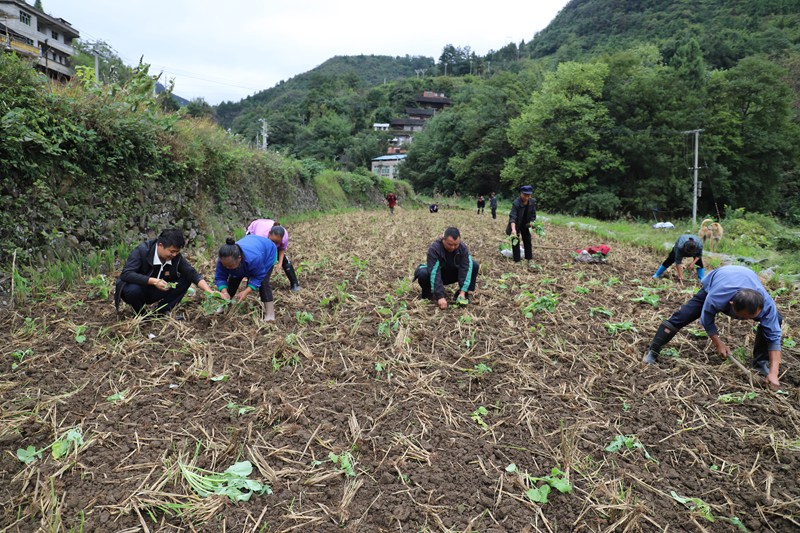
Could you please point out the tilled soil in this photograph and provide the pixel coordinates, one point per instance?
(432, 406)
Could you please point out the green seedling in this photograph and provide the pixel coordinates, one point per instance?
(625, 405)
(79, 332)
(612, 281)
(780, 291)
(556, 480)
(290, 339)
(479, 370)
(280, 360)
(466, 319)
(631, 442)
(503, 281)
(789, 342)
(101, 287)
(344, 462)
(303, 317)
(737, 398)
(215, 303)
(537, 228)
(478, 414)
(594, 311)
(617, 327)
(462, 302)
(239, 410)
(536, 304)
(582, 290)
(393, 315)
(361, 266)
(234, 482)
(670, 352)
(19, 356)
(118, 397)
(696, 505)
(338, 298)
(220, 377)
(547, 281)
(697, 332)
(58, 449)
(648, 297)
(403, 287)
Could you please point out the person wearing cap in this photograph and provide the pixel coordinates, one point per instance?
(449, 261)
(520, 219)
(687, 245)
(737, 292)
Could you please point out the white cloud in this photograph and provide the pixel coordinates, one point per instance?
(240, 47)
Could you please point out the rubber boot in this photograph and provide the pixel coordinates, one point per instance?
(269, 311)
(663, 335)
(288, 268)
(701, 273)
(659, 272)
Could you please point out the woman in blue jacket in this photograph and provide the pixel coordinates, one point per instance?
(250, 257)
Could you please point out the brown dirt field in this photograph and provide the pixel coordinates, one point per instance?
(401, 397)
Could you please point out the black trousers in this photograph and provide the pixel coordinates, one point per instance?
(525, 234)
(138, 296)
(264, 291)
(670, 260)
(449, 275)
(691, 311)
(494, 212)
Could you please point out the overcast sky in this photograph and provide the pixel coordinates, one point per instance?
(228, 49)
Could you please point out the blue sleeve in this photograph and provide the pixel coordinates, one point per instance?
(221, 276)
(258, 270)
(707, 317)
(772, 326)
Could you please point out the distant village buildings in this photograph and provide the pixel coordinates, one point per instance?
(429, 103)
(31, 33)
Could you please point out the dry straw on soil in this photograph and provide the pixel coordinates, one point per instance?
(397, 386)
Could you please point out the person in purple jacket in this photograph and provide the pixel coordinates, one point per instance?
(271, 229)
(737, 292)
(250, 257)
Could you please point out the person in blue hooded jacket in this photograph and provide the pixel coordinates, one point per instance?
(689, 246)
(250, 257)
(737, 292)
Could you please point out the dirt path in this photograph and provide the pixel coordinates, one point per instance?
(429, 407)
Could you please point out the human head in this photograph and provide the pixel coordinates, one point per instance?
(169, 244)
(690, 247)
(525, 192)
(276, 234)
(492, 195)
(451, 239)
(747, 303)
(230, 255)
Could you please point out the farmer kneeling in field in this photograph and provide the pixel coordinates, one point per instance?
(448, 262)
(155, 272)
(686, 246)
(250, 257)
(737, 292)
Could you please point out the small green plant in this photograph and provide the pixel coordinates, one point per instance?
(789, 342)
(617, 327)
(648, 297)
(466, 319)
(625, 405)
(361, 266)
(536, 304)
(469, 342)
(478, 414)
(697, 332)
(344, 462)
(737, 397)
(118, 396)
(594, 311)
(696, 505)
(503, 282)
(556, 479)
(630, 442)
(19, 356)
(234, 482)
(582, 290)
(280, 360)
(670, 352)
(239, 410)
(215, 303)
(101, 287)
(380, 367)
(58, 449)
(80, 334)
(393, 315)
(612, 281)
(338, 298)
(403, 287)
(479, 370)
(303, 317)
(537, 228)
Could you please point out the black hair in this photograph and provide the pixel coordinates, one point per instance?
(690, 247)
(171, 237)
(278, 230)
(230, 250)
(452, 232)
(749, 300)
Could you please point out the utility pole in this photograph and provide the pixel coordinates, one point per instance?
(695, 168)
(264, 133)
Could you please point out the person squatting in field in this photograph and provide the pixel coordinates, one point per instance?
(737, 292)
(264, 227)
(686, 246)
(250, 257)
(156, 273)
(520, 218)
(448, 262)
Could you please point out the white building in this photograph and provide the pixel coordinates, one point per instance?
(31, 33)
(388, 166)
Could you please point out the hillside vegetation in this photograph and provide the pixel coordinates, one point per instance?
(89, 166)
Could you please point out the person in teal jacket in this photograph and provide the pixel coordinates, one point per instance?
(687, 245)
(250, 257)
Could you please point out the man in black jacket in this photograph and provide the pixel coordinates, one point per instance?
(522, 215)
(449, 261)
(155, 272)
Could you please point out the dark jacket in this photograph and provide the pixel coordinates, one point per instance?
(439, 259)
(519, 216)
(139, 268)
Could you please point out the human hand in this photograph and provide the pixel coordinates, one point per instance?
(240, 297)
(772, 381)
(163, 285)
(722, 349)
(442, 303)
(224, 294)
